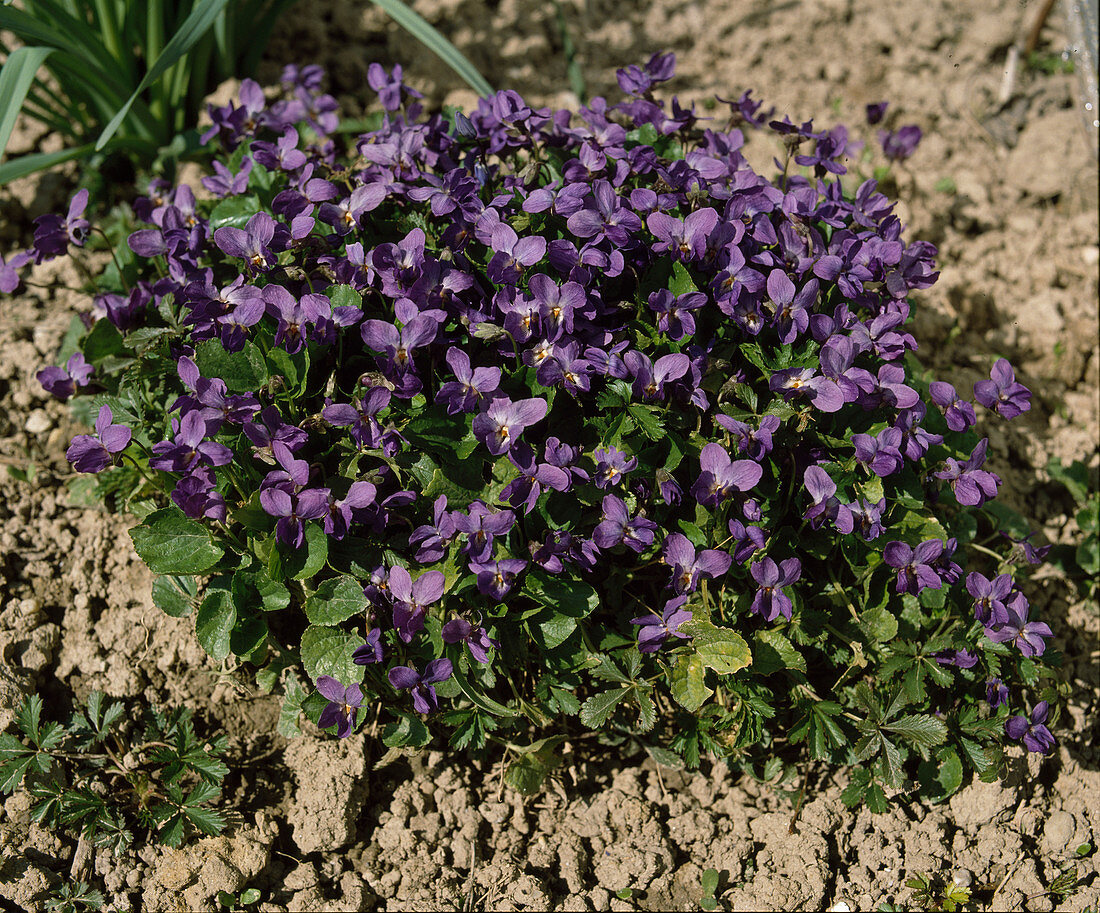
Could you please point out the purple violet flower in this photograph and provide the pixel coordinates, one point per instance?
(867, 517)
(291, 509)
(500, 425)
(688, 568)
(754, 443)
(650, 377)
(495, 578)
(876, 111)
(618, 528)
(411, 600)
(189, 449)
(770, 601)
(990, 597)
(915, 566)
(477, 640)
(1033, 554)
(972, 485)
(526, 488)
(901, 143)
(612, 465)
(342, 512)
(343, 705)
(825, 503)
(433, 537)
(1026, 636)
(686, 239)
(1002, 393)
(721, 476)
(423, 694)
(656, 629)
(958, 413)
(64, 382)
(1036, 737)
(53, 233)
(512, 254)
(880, 454)
(481, 525)
(90, 453)
(961, 659)
(823, 392)
(197, 497)
(472, 386)
(996, 693)
(9, 278)
(371, 651)
(249, 243)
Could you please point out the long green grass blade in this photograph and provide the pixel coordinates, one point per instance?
(427, 35)
(191, 31)
(28, 164)
(15, 82)
(41, 109)
(87, 87)
(112, 38)
(261, 32)
(63, 31)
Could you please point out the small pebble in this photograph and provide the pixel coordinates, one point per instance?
(38, 422)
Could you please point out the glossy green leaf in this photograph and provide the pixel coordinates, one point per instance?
(480, 699)
(596, 710)
(528, 772)
(169, 543)
(248, 638)
(572, 598)
(175, 595)
(234, 212)
(344, 296)
(214, 623)
(243, 372)
(328, 651)
(942, 776)
(720, 649)
(773, 652)
(556, 630)
(688, 682)
(302, 563)
(336, 600)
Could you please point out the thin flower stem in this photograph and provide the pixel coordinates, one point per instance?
(121, 277)
(157, 486)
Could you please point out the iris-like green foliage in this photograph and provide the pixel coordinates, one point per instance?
(119, 75)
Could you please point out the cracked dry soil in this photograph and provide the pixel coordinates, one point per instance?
(315, 826)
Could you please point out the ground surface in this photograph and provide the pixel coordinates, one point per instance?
(1009, 196)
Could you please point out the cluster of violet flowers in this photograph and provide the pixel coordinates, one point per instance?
(549, 282)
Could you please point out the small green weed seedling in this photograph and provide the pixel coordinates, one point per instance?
(710, 885)
(935, 894)
(241, 901)
(90, 778)
(75, 897)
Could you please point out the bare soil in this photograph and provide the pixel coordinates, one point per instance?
(1008, 193)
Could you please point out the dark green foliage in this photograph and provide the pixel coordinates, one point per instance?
(100, 777)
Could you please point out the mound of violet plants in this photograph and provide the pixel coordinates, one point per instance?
(489, 422)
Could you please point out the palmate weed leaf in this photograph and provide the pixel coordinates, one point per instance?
(15, 82)
(428, 36)
(193, 28)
